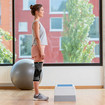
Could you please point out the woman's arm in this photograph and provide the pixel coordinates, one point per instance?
(36, 31)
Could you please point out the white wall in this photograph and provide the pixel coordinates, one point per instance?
(78, 75)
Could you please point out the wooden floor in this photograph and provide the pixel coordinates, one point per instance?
(25, 97)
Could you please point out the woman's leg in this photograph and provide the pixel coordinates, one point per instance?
(38, 70)
(36, 87)
(37, 59)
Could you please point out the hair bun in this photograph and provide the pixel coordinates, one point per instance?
(31, 6)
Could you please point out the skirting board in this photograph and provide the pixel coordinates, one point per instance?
(11, 86)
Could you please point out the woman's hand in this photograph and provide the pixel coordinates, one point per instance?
(42, 55)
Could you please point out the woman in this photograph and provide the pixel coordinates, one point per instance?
(39, 41)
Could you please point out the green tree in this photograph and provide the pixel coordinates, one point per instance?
(6, 56)
(75, 36)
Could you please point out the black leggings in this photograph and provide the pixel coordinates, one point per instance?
(38, 70)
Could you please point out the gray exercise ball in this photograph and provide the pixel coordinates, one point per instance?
(22, 74)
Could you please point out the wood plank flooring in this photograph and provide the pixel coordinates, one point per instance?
(25, 97)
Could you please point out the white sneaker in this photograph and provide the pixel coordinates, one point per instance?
(40, 97)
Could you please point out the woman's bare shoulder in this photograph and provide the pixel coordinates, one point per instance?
(35, 23)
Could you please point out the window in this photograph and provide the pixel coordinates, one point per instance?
(27, 3)
(6, 33)
(94, 29)
(23, 27)
(25, 42)
(80, 41)
(97, 50)
(56, 24)
(57, 6)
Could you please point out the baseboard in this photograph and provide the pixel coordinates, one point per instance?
(77, 87)
(11, 86)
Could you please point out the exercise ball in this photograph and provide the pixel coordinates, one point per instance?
(22, 74)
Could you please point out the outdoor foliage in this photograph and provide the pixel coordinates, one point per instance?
(6, 56)
(75, 36)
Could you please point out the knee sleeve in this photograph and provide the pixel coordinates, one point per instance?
(38, 70)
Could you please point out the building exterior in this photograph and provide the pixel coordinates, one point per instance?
(53, 23)
(6, 21)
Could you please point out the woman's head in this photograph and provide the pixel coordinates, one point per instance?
(37, 10)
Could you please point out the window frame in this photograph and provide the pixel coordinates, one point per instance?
(28, 9)
(20, 56)
(21, 28)
(101, 49)
(99, 34)
(55, 12)
(61, 64)
(56, 30)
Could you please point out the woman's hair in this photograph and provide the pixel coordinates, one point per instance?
(34, 8)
